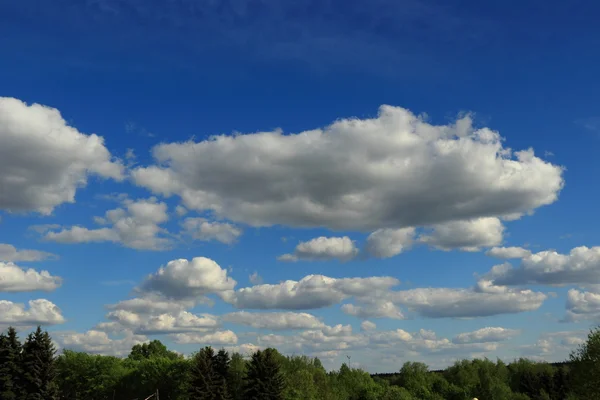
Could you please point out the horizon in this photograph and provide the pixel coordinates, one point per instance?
(393, 181)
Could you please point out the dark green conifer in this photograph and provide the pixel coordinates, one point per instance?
(264, 380)
(10, 365)
(204, 379)
(38, 367)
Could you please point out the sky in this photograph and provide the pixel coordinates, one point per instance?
(365, 182)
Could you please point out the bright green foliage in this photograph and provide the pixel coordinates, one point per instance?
(10, 365)
(86, 376)
(586, 367)
(38, 367)
(264, 380)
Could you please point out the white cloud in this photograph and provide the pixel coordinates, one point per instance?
(486, 335)
(312, 291)
(201, 229)
(16, 279)
(580, 266)
(323, 249)
(386, 243)
(368, 326)
(392, 171)
(152, 305)
(214, 338)
(373, 308)
(467, 235)
(274, 320)
(457, 303)
(135, 226)
(40, 312)
(181, 279)
(9, 253)
(582, 306)
(98, 342)
(508, 252)
(43, 160)
(182, 321)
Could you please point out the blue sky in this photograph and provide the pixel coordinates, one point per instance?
(391, 180)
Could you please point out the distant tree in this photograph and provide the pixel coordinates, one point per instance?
(152, 349)
(585, 367)
(10, 365)
(222, 363)
(38, 363)
(264, 380)
(237, 376)
(204, 380)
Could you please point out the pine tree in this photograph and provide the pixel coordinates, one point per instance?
(264, 380)
(204, 379)
(38, 367)
(10, 365)
(222, 361)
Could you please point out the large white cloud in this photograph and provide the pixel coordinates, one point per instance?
(312, 291)
(392, 171)
(40, 312)
(43, 160)
(386, 243)
(581, 266)
(136, 225)
(323, 249)
(16, 279)
(274, 320)
(457, 303)
(181, 279)
(9, 253)
(374, 308)
(469, 235)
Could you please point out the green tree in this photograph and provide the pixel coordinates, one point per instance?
(10, 365)
(264, 380)
(152, 349)
(38, 367)
(222, 364)
(585, 367)
(203, 376)
(237, 376)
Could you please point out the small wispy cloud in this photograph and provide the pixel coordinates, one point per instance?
(591, 124)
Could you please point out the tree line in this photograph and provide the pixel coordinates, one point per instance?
(32, 371)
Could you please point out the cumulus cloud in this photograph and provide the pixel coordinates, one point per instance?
(386, 243)
(466, 303)
(152, 304)
(9, 253)
(213, 338)
(98, 342)
(40, 312)
(468, 235)
(44, 160)
(181, 279)
(485, 335)
(16, 279)
(580, 266)
(368, 326)
(392, 171)
(311, 292)
(323, 249)
(373, 308)
(136, 225)
(582, 305)
(201, 229)
(507, 253)
(274, 320)
(182, 321)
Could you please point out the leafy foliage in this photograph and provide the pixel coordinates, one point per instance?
(31, 372)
